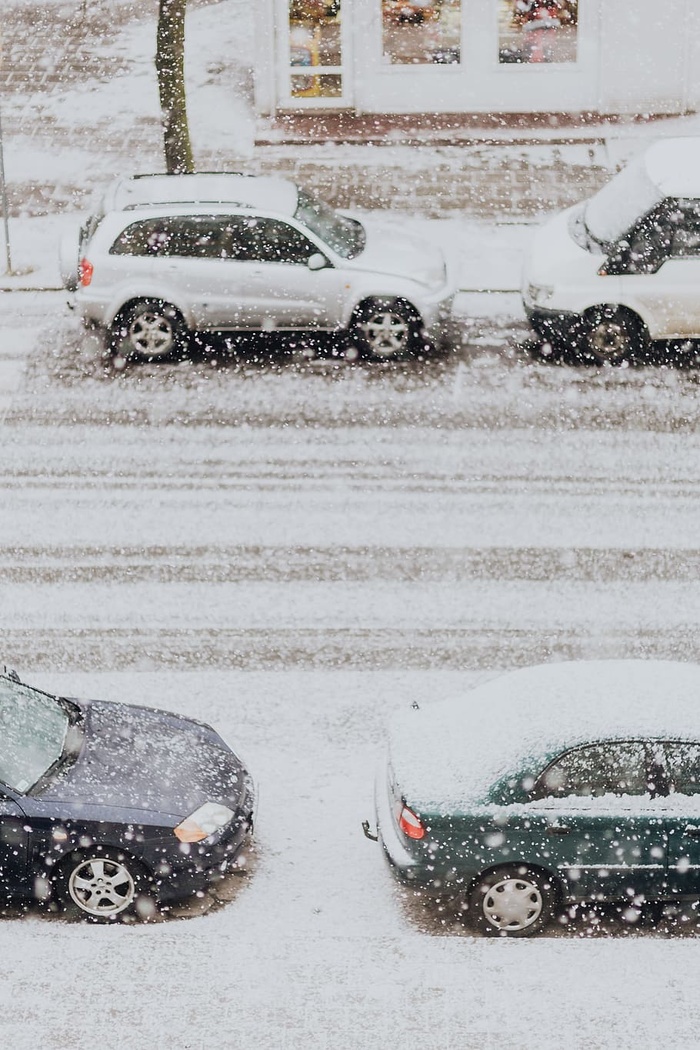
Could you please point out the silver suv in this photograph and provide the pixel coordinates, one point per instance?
(166, 256)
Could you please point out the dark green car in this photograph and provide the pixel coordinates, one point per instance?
(551, 785)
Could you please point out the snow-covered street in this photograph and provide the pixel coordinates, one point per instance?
(294, 546)
(296, 583)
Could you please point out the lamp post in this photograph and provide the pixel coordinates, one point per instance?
(3, 196)
(9, 272)
(3, 189)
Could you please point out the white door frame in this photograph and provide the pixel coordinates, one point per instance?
(285, 70)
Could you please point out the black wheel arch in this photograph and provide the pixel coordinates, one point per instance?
(372, 302)
(558, 884)
(78, 853)
(121, 318)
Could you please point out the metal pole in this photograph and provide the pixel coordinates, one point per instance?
(3, 194)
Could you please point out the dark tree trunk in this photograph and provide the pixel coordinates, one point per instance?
(170, 66)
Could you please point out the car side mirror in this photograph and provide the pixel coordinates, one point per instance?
(317, 261)
(617, 261)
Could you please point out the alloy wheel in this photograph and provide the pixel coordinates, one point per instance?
(102, 887)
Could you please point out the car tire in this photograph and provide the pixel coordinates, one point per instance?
(384, 329)
(512, 901)
(104, 885)
(149, 330)
(612, 335)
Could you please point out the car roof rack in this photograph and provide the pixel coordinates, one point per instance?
(185, 174)
(142, 205)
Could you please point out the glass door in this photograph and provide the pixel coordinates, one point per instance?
(314, 54)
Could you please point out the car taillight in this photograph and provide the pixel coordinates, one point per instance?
(85, 272)
(410, 824)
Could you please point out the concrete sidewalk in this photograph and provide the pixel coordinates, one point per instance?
(80, 106)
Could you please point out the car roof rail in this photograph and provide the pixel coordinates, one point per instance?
(144, 205)
(184, 174)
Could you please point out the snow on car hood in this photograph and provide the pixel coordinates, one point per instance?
(390, 251)
(448, 755)
(139, 758)
(554, 252)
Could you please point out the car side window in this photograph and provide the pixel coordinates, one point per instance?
(650, 241)
(686, 230)
(279, 242)
(614, 768)
(199, 237)
(682, 765)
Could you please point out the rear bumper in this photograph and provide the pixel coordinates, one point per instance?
(441, 326)
(406, 866)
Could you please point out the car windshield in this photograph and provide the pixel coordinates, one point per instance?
(624, 200)
(33, 728)
(344, 235)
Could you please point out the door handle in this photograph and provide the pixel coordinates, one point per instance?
(558, 829)
(693, 831)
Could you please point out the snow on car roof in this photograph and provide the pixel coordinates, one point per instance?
(674, 166)
(253, 191)
(447, 755)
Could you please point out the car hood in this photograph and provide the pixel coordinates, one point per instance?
(144, 759)
(389, 251)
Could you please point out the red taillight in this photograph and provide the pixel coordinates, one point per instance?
(410, 824)
(85, 272)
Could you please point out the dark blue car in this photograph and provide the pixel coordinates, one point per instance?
(109, 808)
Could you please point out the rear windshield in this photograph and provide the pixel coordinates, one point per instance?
(625, 199)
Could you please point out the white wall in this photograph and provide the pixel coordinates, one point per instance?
(644, 55)
(635, 56)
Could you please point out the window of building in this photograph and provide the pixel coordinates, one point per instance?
(421, 32)
(315, 48)
(534, 31)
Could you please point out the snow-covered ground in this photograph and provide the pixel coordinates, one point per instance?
(297, 585)
(317, 948)
(294, 551)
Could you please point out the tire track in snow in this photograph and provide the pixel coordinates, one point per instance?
(211, 564)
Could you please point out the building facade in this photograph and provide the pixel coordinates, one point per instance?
(478, 56)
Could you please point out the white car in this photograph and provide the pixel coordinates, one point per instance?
(606, 277)
(166, 256)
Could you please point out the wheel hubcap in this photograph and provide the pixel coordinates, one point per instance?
(512, 904)
(386, 333)
(101, 887)
(151, 334)
(609, 340)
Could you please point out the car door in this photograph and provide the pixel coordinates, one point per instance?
(661, 275)
(595, 819)
(281, 290)
(14, 845)
(681, 762)
(194, 267)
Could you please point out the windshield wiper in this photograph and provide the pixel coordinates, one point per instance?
(72, 744)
